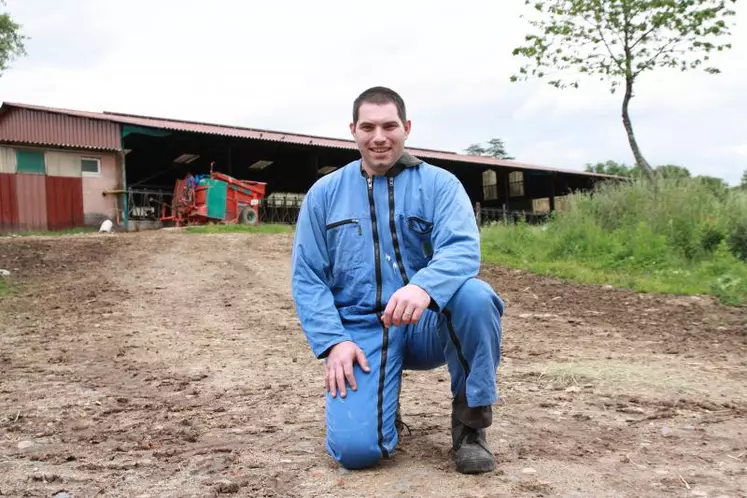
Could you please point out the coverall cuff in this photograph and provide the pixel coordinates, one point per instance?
(433, 305)
(323, 352)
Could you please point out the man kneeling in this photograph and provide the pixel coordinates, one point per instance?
(384, 266)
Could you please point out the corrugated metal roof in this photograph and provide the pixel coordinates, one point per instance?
(22, 124)
(269, 135)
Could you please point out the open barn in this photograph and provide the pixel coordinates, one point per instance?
(62, 168)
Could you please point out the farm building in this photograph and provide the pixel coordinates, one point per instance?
(62, 168)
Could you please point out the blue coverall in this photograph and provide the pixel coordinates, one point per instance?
(358, 240)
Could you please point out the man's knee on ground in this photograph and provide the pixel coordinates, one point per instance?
(353, 450)
(476, 295)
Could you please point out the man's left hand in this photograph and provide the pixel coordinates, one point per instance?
(406, 306)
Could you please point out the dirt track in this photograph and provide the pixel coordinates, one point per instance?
(166, 364)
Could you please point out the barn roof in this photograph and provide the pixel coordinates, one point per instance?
(100, 130)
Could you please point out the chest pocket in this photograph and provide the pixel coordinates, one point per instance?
(346, 245)
(416, 233)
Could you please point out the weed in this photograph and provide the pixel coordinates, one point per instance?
(681, 238)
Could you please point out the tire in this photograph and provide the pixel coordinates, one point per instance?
(248, 216)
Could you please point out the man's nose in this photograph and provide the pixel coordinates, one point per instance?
(379, 135)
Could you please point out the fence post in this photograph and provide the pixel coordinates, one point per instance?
(478, 215)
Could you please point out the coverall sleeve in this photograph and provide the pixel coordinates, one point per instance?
(456, 245)
(310, 268)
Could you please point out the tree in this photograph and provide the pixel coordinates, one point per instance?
(496, 148)
(618, 40)
(618, 169)
(672, 171)
(743, 184)
(475, 150)
(609, 168)
(11, 40)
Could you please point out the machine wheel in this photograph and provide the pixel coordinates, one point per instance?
(248, 216)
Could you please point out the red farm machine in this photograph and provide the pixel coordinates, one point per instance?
(215, 198)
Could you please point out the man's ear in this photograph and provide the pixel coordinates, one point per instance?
(352, 129)
(408, 127)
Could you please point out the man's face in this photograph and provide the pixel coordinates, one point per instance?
(380, 135)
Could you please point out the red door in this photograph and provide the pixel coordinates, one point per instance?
(64, 202)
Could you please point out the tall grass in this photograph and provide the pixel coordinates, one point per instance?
(683, 237)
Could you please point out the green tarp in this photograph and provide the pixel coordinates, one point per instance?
(216, 199)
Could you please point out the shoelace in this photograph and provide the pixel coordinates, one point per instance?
(399, 423)
(472, 436)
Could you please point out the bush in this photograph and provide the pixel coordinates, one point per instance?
(681, 237)
(736, 214)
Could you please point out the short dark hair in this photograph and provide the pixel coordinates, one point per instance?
(380, 95)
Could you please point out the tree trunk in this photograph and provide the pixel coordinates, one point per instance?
(639, 159)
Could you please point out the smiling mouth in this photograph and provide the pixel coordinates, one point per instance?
(380, 150)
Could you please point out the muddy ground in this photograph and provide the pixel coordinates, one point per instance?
(169, 364)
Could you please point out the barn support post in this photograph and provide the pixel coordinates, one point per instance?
(503, 181)
(125, 204)
(552, 192)
(313, 168)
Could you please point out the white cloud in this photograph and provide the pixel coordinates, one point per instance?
(740, 150)
(296, 65)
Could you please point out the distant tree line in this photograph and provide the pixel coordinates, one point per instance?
(494, 148)
(670, 171)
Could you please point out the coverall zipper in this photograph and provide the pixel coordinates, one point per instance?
(385, 330)
(393, 229)
(343, 222)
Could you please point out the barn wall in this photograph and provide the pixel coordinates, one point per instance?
(96, 206)
(64, 202)
(7, 160)
(46, 189)
(8, 203)
(63, 164)
(31, 192)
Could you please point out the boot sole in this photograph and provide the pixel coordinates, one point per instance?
(476, 466)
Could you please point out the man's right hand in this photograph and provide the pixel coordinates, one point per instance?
(339, 367)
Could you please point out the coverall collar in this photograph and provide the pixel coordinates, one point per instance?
(407, 160)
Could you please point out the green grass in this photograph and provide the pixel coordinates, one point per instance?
(682, 239)
(5, 287)
(264, 228)
(51, 233)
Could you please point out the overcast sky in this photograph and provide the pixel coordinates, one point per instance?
(296, 66)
